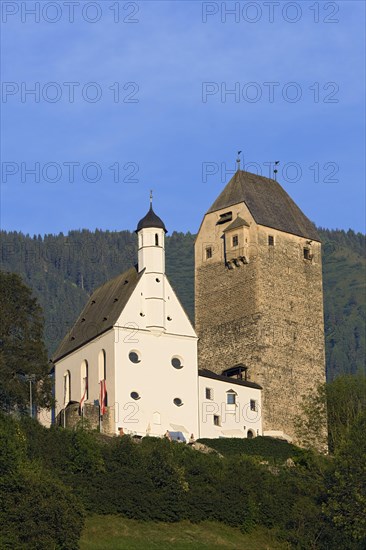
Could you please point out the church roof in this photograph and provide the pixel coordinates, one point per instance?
(238, 222)
(151, 220)
(268, 203)
(209, 374)
(101, 312)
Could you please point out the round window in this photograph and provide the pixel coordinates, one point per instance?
(177, 401)
(135, 395)
(134, 357)
(177, 363)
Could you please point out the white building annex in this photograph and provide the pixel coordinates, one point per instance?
(134, 340)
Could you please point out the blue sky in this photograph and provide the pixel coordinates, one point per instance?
(170, 130)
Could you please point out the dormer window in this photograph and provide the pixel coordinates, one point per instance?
(235, 240)
(224, 218)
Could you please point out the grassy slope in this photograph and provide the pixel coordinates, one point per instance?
(117, 533)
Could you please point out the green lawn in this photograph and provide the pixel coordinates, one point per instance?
(118, 533)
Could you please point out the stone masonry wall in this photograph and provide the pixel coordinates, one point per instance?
(70, 418)
(268, 315)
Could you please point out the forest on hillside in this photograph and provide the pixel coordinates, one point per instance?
(63, 270)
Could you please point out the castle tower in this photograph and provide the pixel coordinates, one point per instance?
(259, 298)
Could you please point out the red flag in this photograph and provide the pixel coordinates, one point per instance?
(82, 400)
(103, 395)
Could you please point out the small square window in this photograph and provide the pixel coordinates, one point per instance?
(209, 393)
(270, 240)
(235, 240)
(208, 253)
(253, 405)
(216, 420)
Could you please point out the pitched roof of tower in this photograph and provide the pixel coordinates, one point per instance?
(151, 220)
(268, 203)
(101, 312)
(238, 222)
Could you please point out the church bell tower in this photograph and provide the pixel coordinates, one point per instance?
(151, 259)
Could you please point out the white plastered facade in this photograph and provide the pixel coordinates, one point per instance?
(227, 409)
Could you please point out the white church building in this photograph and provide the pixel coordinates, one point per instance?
(130, 360)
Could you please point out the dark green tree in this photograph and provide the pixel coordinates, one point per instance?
(22, 351)
(37, 511)
(346, 505)
(342, 400)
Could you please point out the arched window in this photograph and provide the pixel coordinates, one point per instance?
(67, 387)
(102, 365)
(84, 379)
(156, 418)
(156, 239)
(250, 434)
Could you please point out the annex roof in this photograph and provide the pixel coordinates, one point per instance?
(268, 203)
(209, 374)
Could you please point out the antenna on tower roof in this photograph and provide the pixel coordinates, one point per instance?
(277, 162)
(238, 161)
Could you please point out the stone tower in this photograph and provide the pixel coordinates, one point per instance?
(259, 297)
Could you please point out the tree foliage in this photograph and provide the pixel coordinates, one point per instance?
(346, 505)
(22, 351)
(341, 401)
(37, 511)
(305, 498)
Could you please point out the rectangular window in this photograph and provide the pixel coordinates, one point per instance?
(253, 405)
(235, 240)
(208, 253)
(216, 420)
(231, 398)
(270, 240)
(209, 393)
(307, 254)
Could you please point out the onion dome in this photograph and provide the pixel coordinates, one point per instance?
(151, 220)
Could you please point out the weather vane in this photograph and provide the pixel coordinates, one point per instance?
(238, 160)
(151, 197)
(277, 162)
